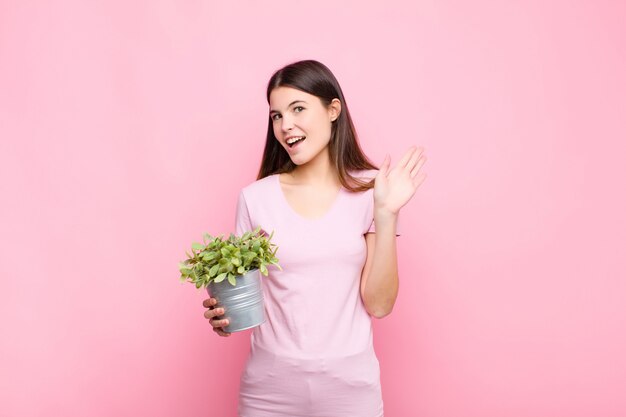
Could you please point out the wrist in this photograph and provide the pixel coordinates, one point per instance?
(384, 212)
(385, 219)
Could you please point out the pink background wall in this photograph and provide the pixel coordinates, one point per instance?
(128, 128)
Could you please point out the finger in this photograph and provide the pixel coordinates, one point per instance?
(209, 302)
(407, 156)
(412, 161)
(221, 332)
(384, 167)
(209, 314)
(219, 323)
(419, 180)
(417, 166)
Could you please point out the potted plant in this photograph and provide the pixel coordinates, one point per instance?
(229, 270)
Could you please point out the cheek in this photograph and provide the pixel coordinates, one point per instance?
(315, 125)
(323, 129)
(276, 130)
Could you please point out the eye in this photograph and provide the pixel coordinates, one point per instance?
(298, 107)
(274, 116)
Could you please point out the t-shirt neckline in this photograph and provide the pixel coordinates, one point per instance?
(283, 198)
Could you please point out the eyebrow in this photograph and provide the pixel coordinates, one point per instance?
(290, 104)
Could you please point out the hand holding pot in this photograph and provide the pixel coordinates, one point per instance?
(212, 313)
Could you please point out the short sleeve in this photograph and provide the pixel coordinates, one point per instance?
(372, 228)
(242, 216)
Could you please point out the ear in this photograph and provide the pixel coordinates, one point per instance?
(334, 109)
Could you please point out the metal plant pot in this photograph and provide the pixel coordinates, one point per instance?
(242, 303)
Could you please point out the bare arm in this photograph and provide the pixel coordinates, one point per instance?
(379, 279)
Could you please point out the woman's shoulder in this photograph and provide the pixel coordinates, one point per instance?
(363, 176)
(259, 187)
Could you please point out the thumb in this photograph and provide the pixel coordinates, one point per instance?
(385, 165)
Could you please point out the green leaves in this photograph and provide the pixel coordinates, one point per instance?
(218, 259)
(213, 270)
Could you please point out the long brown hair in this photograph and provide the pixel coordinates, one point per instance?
(346, 155)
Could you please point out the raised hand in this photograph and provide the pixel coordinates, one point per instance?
(393, 188)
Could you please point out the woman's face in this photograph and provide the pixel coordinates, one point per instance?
(294, 114)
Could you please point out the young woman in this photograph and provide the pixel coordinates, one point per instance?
(335, 220)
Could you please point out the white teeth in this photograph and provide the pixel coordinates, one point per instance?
(295, 139)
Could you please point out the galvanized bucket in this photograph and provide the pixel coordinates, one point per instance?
(242, 303)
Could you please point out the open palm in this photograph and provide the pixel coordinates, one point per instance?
(393, 188)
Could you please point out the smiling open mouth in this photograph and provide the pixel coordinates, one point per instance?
(296, 141)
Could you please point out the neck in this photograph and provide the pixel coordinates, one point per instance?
(318, 171)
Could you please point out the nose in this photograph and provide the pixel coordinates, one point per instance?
(287, 124)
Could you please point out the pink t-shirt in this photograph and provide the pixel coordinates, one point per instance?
(314, 354)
